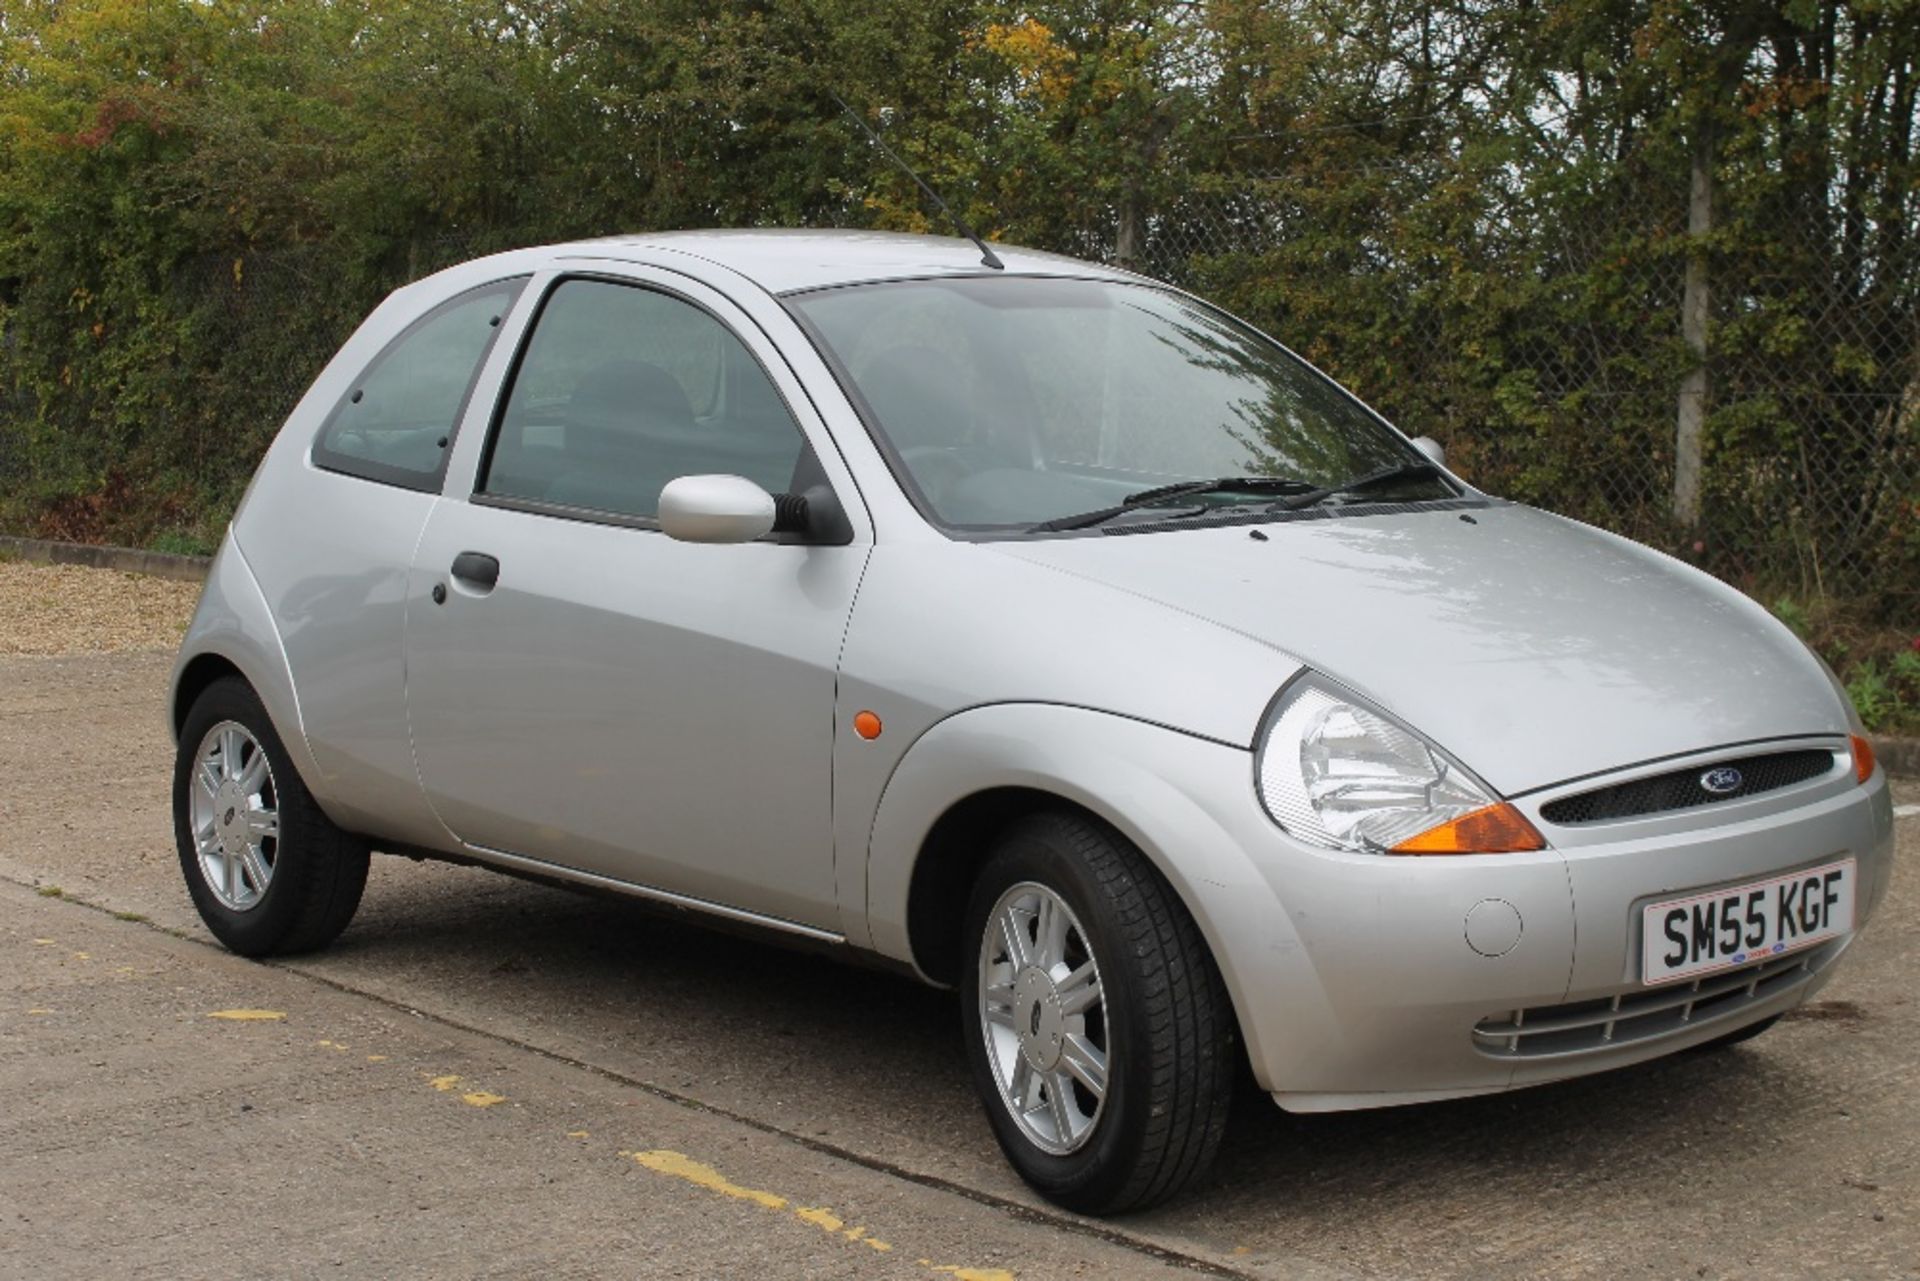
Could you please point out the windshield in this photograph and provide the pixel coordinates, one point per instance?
(1010, 402)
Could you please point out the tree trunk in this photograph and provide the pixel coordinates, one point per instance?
(1693, 329)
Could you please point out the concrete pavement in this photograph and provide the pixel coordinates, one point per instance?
(177, 1112)
(817, 1085)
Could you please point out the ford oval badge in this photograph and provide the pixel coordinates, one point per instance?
(1723, 780)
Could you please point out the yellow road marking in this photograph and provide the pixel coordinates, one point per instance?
(823, 1219)
(248, 1016)
(451, 1082)
(682, 1166)
(376, 1058)
(38, 1010)
(576, 1134)
(969, 1274)
(44, 942)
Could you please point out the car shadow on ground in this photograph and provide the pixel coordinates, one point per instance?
(872, 1062)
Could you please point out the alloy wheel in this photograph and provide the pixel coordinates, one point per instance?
(235, 815)
(1043, 1016)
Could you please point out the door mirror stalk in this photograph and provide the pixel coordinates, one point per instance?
(813, 515)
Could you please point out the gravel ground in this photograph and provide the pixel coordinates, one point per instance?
(67, 609)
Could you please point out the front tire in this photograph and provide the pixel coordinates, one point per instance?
(268, 872)
(1098, 1030)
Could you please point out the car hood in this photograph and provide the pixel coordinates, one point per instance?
(1533, 648)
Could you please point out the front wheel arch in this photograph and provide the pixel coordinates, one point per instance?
(1160, 789)
(950, 859)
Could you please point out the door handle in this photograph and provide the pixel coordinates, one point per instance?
(477, 570)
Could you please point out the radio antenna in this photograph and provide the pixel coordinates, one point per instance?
(987, 257)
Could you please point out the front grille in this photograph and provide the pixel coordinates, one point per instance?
(1644, 1014)
(1682, 789)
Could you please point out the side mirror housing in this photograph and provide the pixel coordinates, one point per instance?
(1432, 449)
(715, 509)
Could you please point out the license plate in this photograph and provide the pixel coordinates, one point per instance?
(1687, 937)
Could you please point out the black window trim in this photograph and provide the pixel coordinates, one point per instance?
(383, 473)
(564, 511)
(595, 515)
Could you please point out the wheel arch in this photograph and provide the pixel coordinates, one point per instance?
(233, 634)
(196, 675)
(971, 775)
(949, 860)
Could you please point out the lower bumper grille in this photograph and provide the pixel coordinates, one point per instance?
(1645, 1014)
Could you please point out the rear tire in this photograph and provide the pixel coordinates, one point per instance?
(1125, 996)
(268, 872)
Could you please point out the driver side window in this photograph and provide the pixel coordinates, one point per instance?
(622, 389)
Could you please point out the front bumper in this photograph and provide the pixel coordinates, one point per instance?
(1360, 980)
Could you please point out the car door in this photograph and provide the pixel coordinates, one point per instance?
(330, 540)
(587, 692)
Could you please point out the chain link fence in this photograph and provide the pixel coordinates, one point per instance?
(1545, 352)
(1545, 349)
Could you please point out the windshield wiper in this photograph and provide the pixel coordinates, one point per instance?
(1399, 471)
(1169, 493)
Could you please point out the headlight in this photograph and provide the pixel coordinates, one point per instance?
(1337, 772)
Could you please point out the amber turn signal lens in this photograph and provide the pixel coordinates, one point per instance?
(866, 725)
(1862, 757)
(1495, 829)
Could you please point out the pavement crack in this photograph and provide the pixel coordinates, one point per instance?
(1011, 1209)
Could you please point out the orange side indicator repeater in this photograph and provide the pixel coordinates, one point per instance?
(1862, 757)
(1492, 829)
(866, 725)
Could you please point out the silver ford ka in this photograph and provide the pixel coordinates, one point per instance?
(1039, 630)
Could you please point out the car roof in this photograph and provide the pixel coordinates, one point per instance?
(786, 261)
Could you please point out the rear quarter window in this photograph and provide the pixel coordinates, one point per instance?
(396, 422)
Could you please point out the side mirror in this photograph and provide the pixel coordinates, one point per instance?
(1431, 448)
(715, 509)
